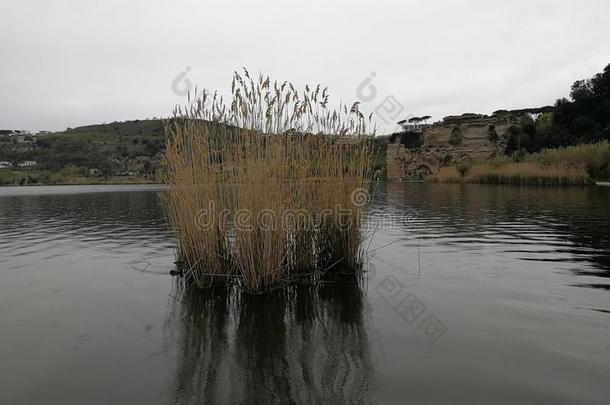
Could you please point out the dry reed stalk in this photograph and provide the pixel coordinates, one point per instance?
(262, 190)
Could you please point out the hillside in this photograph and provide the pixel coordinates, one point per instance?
(131, 146)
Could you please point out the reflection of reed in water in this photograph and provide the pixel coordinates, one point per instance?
(304, 344)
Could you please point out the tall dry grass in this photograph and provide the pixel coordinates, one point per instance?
(595, 158)
(527, 173)
(518, 173)
(448, 174)
(573, 165)
(261, 190)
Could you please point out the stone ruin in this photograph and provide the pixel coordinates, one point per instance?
(417, 154)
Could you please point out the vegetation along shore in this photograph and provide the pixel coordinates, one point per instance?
(563, 144)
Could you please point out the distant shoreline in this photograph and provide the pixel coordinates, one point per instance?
(113, 181)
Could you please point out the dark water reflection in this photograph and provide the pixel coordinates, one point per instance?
(568, 224)
(518, 276)
(306, 345)
(58, 221)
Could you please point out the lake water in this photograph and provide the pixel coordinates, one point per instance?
(476, 294)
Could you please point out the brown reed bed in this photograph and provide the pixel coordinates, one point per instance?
(516, 173)
(448, 174)
(266, 188)
(573, 165)
(527, 173)
(595, 158)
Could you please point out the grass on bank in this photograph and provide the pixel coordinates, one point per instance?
(574, 165)
(594, 158)
(261, 189)
(10, 177)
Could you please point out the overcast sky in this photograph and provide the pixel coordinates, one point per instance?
(65, 63)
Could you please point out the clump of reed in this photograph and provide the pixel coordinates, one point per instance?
(266, 188)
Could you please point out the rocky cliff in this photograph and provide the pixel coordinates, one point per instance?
(440, 144)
